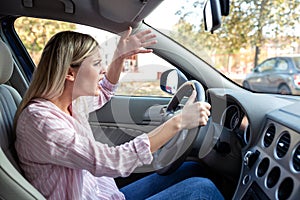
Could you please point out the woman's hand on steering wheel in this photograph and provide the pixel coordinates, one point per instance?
(194, 113)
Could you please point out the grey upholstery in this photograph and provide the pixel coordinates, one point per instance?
(12, 184)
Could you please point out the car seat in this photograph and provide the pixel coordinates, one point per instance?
(12, 184)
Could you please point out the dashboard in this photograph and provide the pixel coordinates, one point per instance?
(264, 142)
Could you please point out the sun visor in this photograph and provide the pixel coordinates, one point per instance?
(126, 10)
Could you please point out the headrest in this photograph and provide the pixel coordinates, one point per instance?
(6, 63)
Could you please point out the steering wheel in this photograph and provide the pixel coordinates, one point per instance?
(170, 156)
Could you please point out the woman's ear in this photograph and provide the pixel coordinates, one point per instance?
(71, 74)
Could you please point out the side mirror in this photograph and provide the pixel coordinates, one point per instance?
(256, 70)
(171, 80)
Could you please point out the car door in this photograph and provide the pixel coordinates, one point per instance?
(277, 76)
(125, 117)
(260, 79)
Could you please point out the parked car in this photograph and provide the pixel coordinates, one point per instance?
(250, 147)
(276, 75)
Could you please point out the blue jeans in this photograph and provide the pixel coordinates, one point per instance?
(184, 183)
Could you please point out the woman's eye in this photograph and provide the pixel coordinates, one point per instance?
(97, 64)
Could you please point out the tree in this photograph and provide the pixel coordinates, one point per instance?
(35, 32)
(269, 21)
(250, 25)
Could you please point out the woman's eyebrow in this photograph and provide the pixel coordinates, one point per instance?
(98, 59)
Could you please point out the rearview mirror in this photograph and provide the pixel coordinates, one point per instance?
(256, 70)
(171, 80)
(212, 15)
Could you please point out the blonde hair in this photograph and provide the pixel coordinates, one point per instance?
(64, 50)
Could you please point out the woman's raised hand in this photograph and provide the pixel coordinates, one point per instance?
(132, 44)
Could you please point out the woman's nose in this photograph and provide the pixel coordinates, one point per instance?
(102, 71)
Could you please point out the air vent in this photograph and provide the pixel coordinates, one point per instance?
(296, 159)
(283, 144)
(269, 135)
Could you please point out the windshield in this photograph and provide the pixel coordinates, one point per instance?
(253, 32)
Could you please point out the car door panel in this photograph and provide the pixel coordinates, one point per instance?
(261, 75)
(274, 81)
(125, 117)
(264, 81)
(256, 81)
(270, 80)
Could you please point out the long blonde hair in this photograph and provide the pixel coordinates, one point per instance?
(65, 49)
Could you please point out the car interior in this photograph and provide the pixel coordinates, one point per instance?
(250, 146)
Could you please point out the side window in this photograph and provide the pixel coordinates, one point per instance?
(267, 65)
(282, 65)
(141, 76)
(141, 73)
(297, 62)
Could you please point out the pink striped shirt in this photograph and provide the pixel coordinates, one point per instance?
(61, 158)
